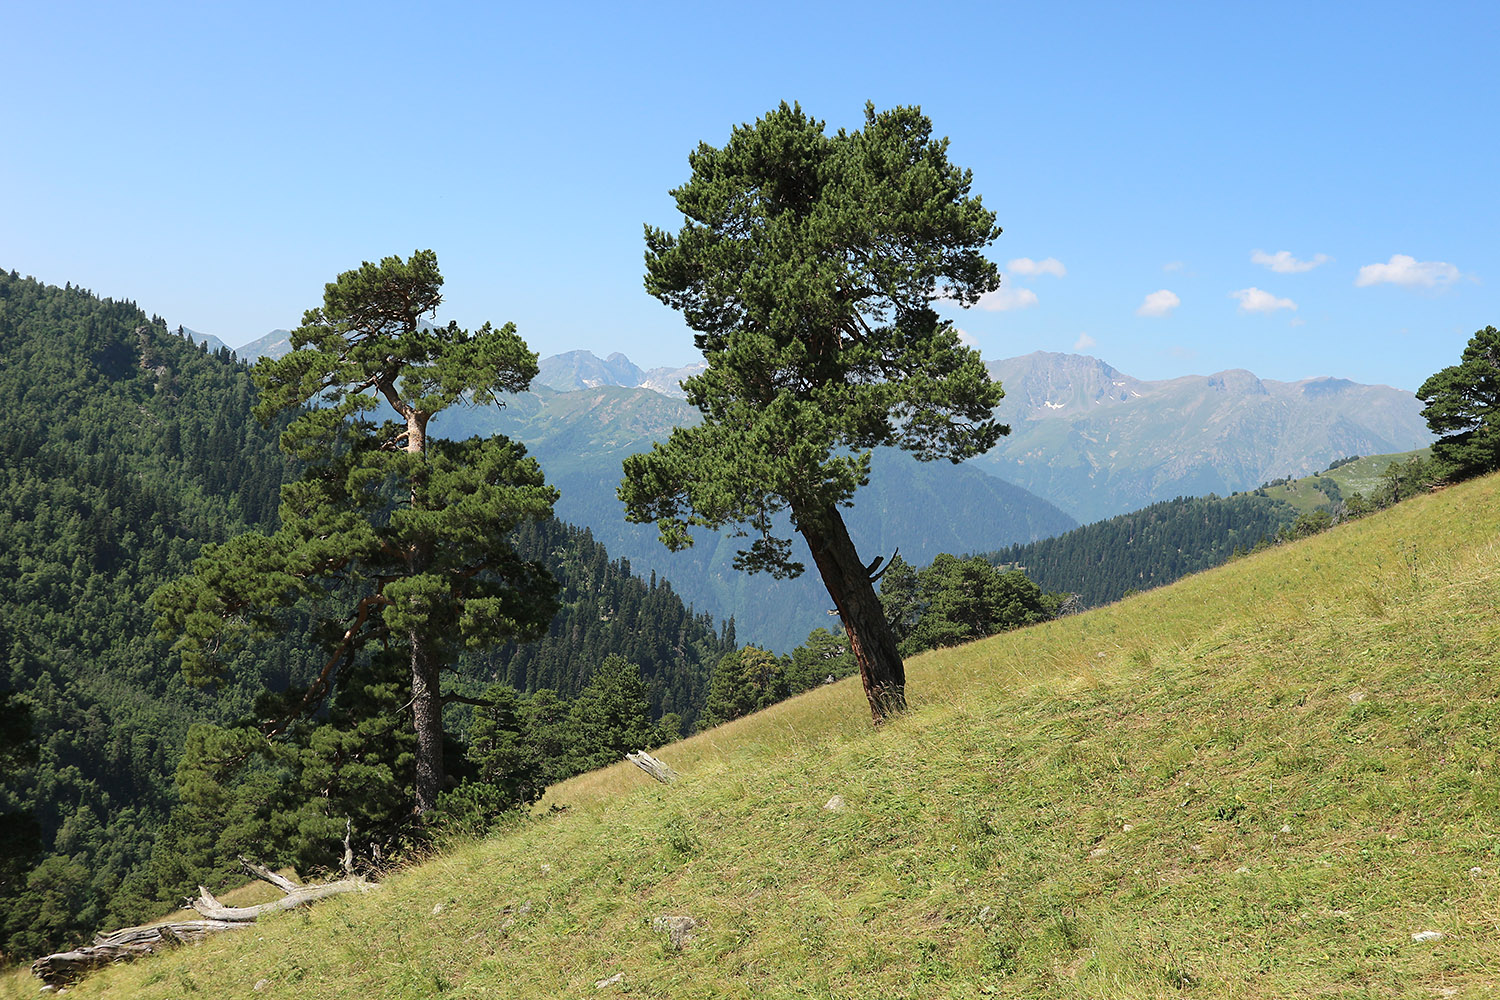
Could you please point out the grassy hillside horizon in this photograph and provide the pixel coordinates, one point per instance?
(1359, 476)
(1261, 781)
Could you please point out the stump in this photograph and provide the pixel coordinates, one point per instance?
(661, 772)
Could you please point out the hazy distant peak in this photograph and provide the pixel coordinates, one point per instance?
(1326, 386)
(1052, 382)
(194, 337)
(1238, 381)
(575, 370)
(273, 345)
(585, 370)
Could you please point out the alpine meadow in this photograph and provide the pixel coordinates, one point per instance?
(405, 661)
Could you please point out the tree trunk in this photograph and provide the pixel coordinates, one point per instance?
(426, 685)
(870, 636)
(427, 719)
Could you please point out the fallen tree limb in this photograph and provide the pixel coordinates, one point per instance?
(267, 875)
(130, 943)
(212, 909)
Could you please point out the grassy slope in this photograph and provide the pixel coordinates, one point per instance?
(1360, 476)
(1258, 782)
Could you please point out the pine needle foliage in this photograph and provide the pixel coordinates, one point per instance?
(406, 539)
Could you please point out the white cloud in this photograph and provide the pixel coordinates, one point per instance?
(1282, 261)
(1407, 271)
(1257, 300)
(1028, 268)
(1159, 304)
(1084, 342)
(1253, 300)
(966, 338)
(1005, 299)
(1173, 265)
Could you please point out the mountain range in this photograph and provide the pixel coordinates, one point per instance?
(1087, 442)
(585, 370)
(1097, 442)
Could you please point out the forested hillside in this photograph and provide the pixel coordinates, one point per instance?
(608, 610)
(1101, 562)
(127, 449)
(1151, 547)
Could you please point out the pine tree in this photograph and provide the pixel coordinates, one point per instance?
(807, 264)
(406, 537)
(1463, 405)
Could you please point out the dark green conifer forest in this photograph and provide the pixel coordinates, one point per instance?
(1150, 547)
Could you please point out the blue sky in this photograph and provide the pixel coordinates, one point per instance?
(1297, 189)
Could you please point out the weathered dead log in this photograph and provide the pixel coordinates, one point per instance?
(661, 772)
(130, 943)
(211, 908)
(125, 945)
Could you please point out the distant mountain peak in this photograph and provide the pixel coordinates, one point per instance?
(1098, 442)
(575, 370)
(1237, 380)
(273, 345)
(194, 337)
(1325, 386)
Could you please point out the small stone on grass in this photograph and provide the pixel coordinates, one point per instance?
(677, 929)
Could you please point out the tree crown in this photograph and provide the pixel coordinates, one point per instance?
(369, 337)
(808, 264)
(415, 532)
(1463, 405)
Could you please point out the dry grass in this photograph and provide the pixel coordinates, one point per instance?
(1259, 782)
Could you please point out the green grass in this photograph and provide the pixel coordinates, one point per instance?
(1359, 476)
(1257, 782)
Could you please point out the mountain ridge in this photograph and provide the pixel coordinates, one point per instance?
(1073, 417)
(1094, 441)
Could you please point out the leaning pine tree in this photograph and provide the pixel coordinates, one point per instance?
(807, 265)
(400, 540)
